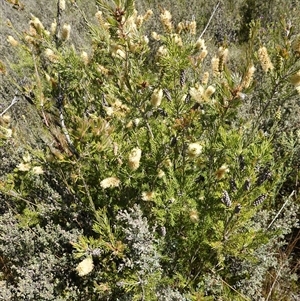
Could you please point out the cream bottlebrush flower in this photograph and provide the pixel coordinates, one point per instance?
(148, 195)
(248, 77)
(109, 110)
(222, 54)
(27, 158)
(120, 54)
(200, 44)
(160, 173)
(162, 51)
(5, 118)
(205, 78)
(177, 39)
(220, 173)
(296, 45)
(192, 27)
(202, 56)
(166, 18)
(180, 27)
(295, 79)
(65, 33)
(85, 266)
(197, 93)
(101, 69)
(155, 36)
(37, 170)
(194, 150)
(12, 41)
(148, 14)
(51, 56)
(24, 166)
(156, 97)
(29, 39)
(215, 61)
(37, 24)
(194, 216)
(62, 4)
(5, 133)
(264, 59)
(134, 158)
(209, 92)
(85, 58)
(110, 182)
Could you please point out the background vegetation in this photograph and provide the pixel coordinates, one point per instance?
(149, 154)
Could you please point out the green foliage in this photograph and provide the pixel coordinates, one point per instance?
(150, 155)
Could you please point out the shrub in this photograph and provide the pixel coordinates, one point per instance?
(149, 152)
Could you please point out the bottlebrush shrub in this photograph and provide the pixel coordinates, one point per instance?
(166, 175)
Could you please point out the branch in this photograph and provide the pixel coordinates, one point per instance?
(212, 15)
(13, 102)
(293, 192)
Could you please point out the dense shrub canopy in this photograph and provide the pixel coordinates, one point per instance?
(162, 158)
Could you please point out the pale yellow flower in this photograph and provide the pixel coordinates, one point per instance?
(84, 56)
(220, 173)
(168, 163)
(200, 44)
(12, 41)
(85, 266)
(160, 173)
(162, 51)
(165, 18)
(120, 54)
(210, 90)
(110, 182)
(156, 97)
(27, 158)
(6, 132)
(37, 170)
(37, 24)
(205, 78)
(264, 59)
(65, 34)
(109, 111)
(23, 166)
(194, 150)
(134, 158)
(197, 93)
(192, 27)
(148, 14)
(295, 79)
(155, 36)
(62, 4)
(215, 61)
(51, 56)
(6, 118)
(296, 45)
(148, 195)
(194, 216)
(202, 56)
(248, 77)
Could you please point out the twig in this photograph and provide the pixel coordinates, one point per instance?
(212, 15)
(149, 129)
(293, 192)
(273, 284)
(13, 102)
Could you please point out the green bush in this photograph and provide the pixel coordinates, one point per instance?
(160, 169)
